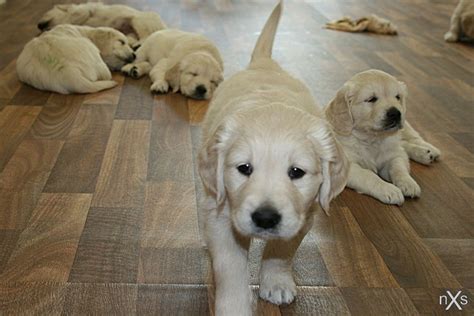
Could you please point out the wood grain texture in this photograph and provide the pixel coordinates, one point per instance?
(378, 301)
(46, 248)
(172, 300)
(409, 260)
(136, 101)
(133, 157)
(23, 179)
(100, 299)
(170, 153)
(83, 152)
(121, 181)
(456, 255)
(56, 117)
(351, 258)
(108, 250)
(32, 298)
(14, 124)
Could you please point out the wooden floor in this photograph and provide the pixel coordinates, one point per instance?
(99, 193)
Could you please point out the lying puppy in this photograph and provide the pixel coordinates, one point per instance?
(135, 24)
(74, 59)
(368, 114)
(462, 22)
(184, 61)
(372, 23)
(267, 156)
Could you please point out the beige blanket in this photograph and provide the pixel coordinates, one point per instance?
(372, 23)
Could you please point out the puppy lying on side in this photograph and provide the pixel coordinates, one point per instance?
(462, 22)
(267, 156)
(135, 24)
(184, 61)
(368, 114)
(74, 59)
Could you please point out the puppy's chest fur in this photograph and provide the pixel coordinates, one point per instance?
(371, 152)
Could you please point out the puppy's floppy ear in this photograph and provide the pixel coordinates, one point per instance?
(211, 160)
(334, 164)
(338, 111)
(172, 77)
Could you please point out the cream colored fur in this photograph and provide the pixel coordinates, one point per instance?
(73, 59)
(462, 22)
(265, 118)
(375, 150)
(181, 60)
(137, 25)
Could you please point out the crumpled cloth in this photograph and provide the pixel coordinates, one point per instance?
(372, 23)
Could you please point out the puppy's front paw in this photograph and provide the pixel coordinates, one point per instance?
(450, 37)
(160, 86)
(409, 187)
(131, 70)
(390, 194)
(278, 288)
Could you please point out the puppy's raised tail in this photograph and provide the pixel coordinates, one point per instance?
(263, 48)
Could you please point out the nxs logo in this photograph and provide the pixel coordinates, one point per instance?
(457, 300)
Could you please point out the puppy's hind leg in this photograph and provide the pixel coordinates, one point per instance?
(276, 280)
(229, 262)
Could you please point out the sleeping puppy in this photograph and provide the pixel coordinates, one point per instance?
(186, 62)
(135, 24)
(267, 156)
(368, 115)
(462, 22)
(74, 59)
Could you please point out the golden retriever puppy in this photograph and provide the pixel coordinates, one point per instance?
(462, 22)
(74, 59)
(186, 62)
(368, 116)
(267, 156)
(135, 24)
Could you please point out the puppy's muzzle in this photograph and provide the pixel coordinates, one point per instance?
(266, 217)
(200, 92)
(42, 26)
(393, 118)
(131, 58)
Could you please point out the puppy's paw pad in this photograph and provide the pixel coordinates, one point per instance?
(392, 195)
(159, 87)
(450, 37)
(278, 291)
(409, 187)
(424, 154)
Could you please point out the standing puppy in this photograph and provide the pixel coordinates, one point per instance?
(462, 21)
(74, 59)
(136, 25)
(368, 114)
(186, 62)
(267, 156)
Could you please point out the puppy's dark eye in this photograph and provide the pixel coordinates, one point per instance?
(372, 99)
(295, 173)
(246, 169)
(122, 42)
(214, 82)
(398, 97)
(193, 74)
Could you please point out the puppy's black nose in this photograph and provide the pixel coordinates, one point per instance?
(201, 90)
(131, 58)
(393, 117)
(43, 25)
(266, 217)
